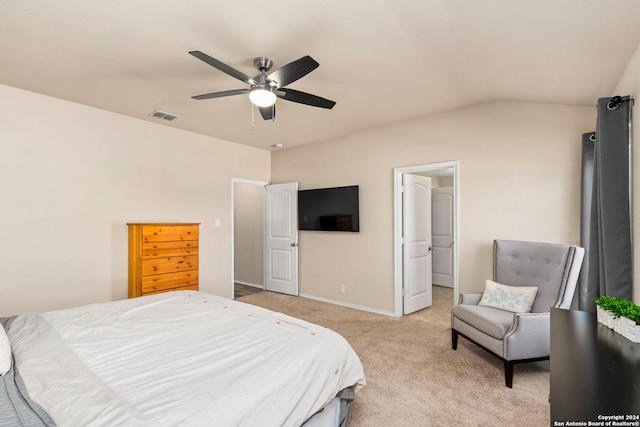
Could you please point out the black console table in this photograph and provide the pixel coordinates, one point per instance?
(595, 373)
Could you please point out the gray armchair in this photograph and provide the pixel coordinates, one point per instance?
(520, 337)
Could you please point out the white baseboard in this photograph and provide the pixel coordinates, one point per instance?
(253, 285)
(345, 304)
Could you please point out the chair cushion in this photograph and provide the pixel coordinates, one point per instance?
(517, 299)
(491, 321)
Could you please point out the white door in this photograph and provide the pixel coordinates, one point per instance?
(417, 242)
(442, 237)
(281, 238)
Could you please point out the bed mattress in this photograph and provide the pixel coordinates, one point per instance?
(181, 358)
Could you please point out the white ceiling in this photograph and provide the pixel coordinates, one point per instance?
(382, 61)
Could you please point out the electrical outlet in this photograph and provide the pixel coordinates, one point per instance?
(342, 288)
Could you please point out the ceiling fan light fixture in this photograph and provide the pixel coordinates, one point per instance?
(262, 96)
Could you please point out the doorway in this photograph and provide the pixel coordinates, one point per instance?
(444, 238)
(247, 232)
(264, 237)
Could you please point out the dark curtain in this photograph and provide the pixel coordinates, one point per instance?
(606, 218)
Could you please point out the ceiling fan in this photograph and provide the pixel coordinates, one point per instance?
(265, 88)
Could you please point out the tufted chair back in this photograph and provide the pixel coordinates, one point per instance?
(547, 266)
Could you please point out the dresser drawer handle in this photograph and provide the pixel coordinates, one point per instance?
(188, 232)
(155, 246)
(155, 233)
(153, 287)
(155, 280)
(155, 254)
(188, 252)
(155, 268)
(188, 244)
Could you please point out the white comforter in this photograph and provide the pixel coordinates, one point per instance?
(181, 358)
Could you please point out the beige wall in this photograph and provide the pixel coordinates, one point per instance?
(630, 85)
(519, 179)
(446, 181)
(248, 233)
(72, 176)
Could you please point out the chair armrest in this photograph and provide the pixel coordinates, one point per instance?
(529, 336)
(471, 298)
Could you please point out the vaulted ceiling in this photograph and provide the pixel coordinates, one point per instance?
(382, 61)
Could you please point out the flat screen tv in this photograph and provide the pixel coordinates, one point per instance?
(329, 209)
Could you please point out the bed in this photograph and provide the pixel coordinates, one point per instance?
(182, 358)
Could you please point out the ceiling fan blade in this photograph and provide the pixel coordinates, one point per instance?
(304, 98)
(268, 113)
(221, 94)
(292, 71)
(223, 67)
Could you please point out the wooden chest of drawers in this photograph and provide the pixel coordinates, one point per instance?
(162, 258)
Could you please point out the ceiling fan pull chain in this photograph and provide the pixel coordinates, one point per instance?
(252, 122)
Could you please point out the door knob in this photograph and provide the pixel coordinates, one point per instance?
(293, 245)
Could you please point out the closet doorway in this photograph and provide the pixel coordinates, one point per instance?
(440, 262)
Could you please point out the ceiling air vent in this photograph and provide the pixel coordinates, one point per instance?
(162, 115)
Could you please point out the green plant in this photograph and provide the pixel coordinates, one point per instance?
(619, 307)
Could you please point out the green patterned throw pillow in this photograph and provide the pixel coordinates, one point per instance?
(517, 299)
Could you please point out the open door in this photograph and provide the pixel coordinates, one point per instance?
(442, 228)
(417, 243)
(281, 238)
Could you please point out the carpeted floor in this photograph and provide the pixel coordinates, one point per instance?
(414, 378)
